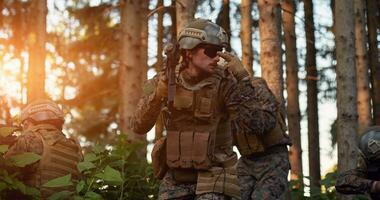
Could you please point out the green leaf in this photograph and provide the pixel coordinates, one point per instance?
(59, 182)
(82, 166)
(117, 164)
(60, 195)
(78, 198)
(98, 149)
(3, 148)
(5, 131)
(110, 175)
(21, 160)
(80, 186)
(92, 195)
(90, 157)
(2, 186)
(31, 191)
(7, 179)
(20, 186)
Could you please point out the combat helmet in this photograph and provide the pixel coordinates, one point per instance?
(41, 111)
(202, 31)
(370, 144)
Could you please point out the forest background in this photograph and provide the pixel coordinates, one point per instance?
(93, 56)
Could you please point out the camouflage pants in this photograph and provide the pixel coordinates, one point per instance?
(264, 177)
(170, 190)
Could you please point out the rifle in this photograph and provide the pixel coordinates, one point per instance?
(172, 58)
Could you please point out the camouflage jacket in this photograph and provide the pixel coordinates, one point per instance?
(251, 109)
(355, 181)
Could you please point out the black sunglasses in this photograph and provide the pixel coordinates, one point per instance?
(211, 51)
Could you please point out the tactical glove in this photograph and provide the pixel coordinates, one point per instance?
(234, 65)
(162, 86)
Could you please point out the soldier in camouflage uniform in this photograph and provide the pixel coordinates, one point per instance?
(42, 122)
(365, 178)
(208, 99)
(264, 165)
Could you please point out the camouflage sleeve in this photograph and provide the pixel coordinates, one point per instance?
(253, 106)
(354, 181)
(148, 109)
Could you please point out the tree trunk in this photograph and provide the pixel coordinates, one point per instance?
(293, 108)
(130, 73)
(363, 100)
(185, 10)
(374, 57)
(159, 64)
(144, 8)
(312, 98)
(173, 16)
(1, 15)
(270, 46)
(160, 35)
(246, 35)
(5, 114)
(19, 22)
(346, 86)
(223, 20)
(37, 40)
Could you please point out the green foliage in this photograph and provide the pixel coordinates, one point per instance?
(115, 172)
(59, 182)
(6, 131)
(10, 186)
(61, 195)
(3, 148)
(327, 192)
(24, 159)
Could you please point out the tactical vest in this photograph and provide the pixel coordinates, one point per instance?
(199, 135)
(59, 158)
(251, 143)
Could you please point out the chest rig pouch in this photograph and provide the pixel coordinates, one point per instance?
(191, 138)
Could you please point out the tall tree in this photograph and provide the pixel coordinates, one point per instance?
(346, 86)
(363, 96)
(270, 46)
(374, 57)
(293, 108)
(160, 34)
(185, 10)
(246, 35)
(312, 98)
(130, 73)
(144, 10)
(173, 16)
(159, 64)
(223, 20)
(37, 52)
